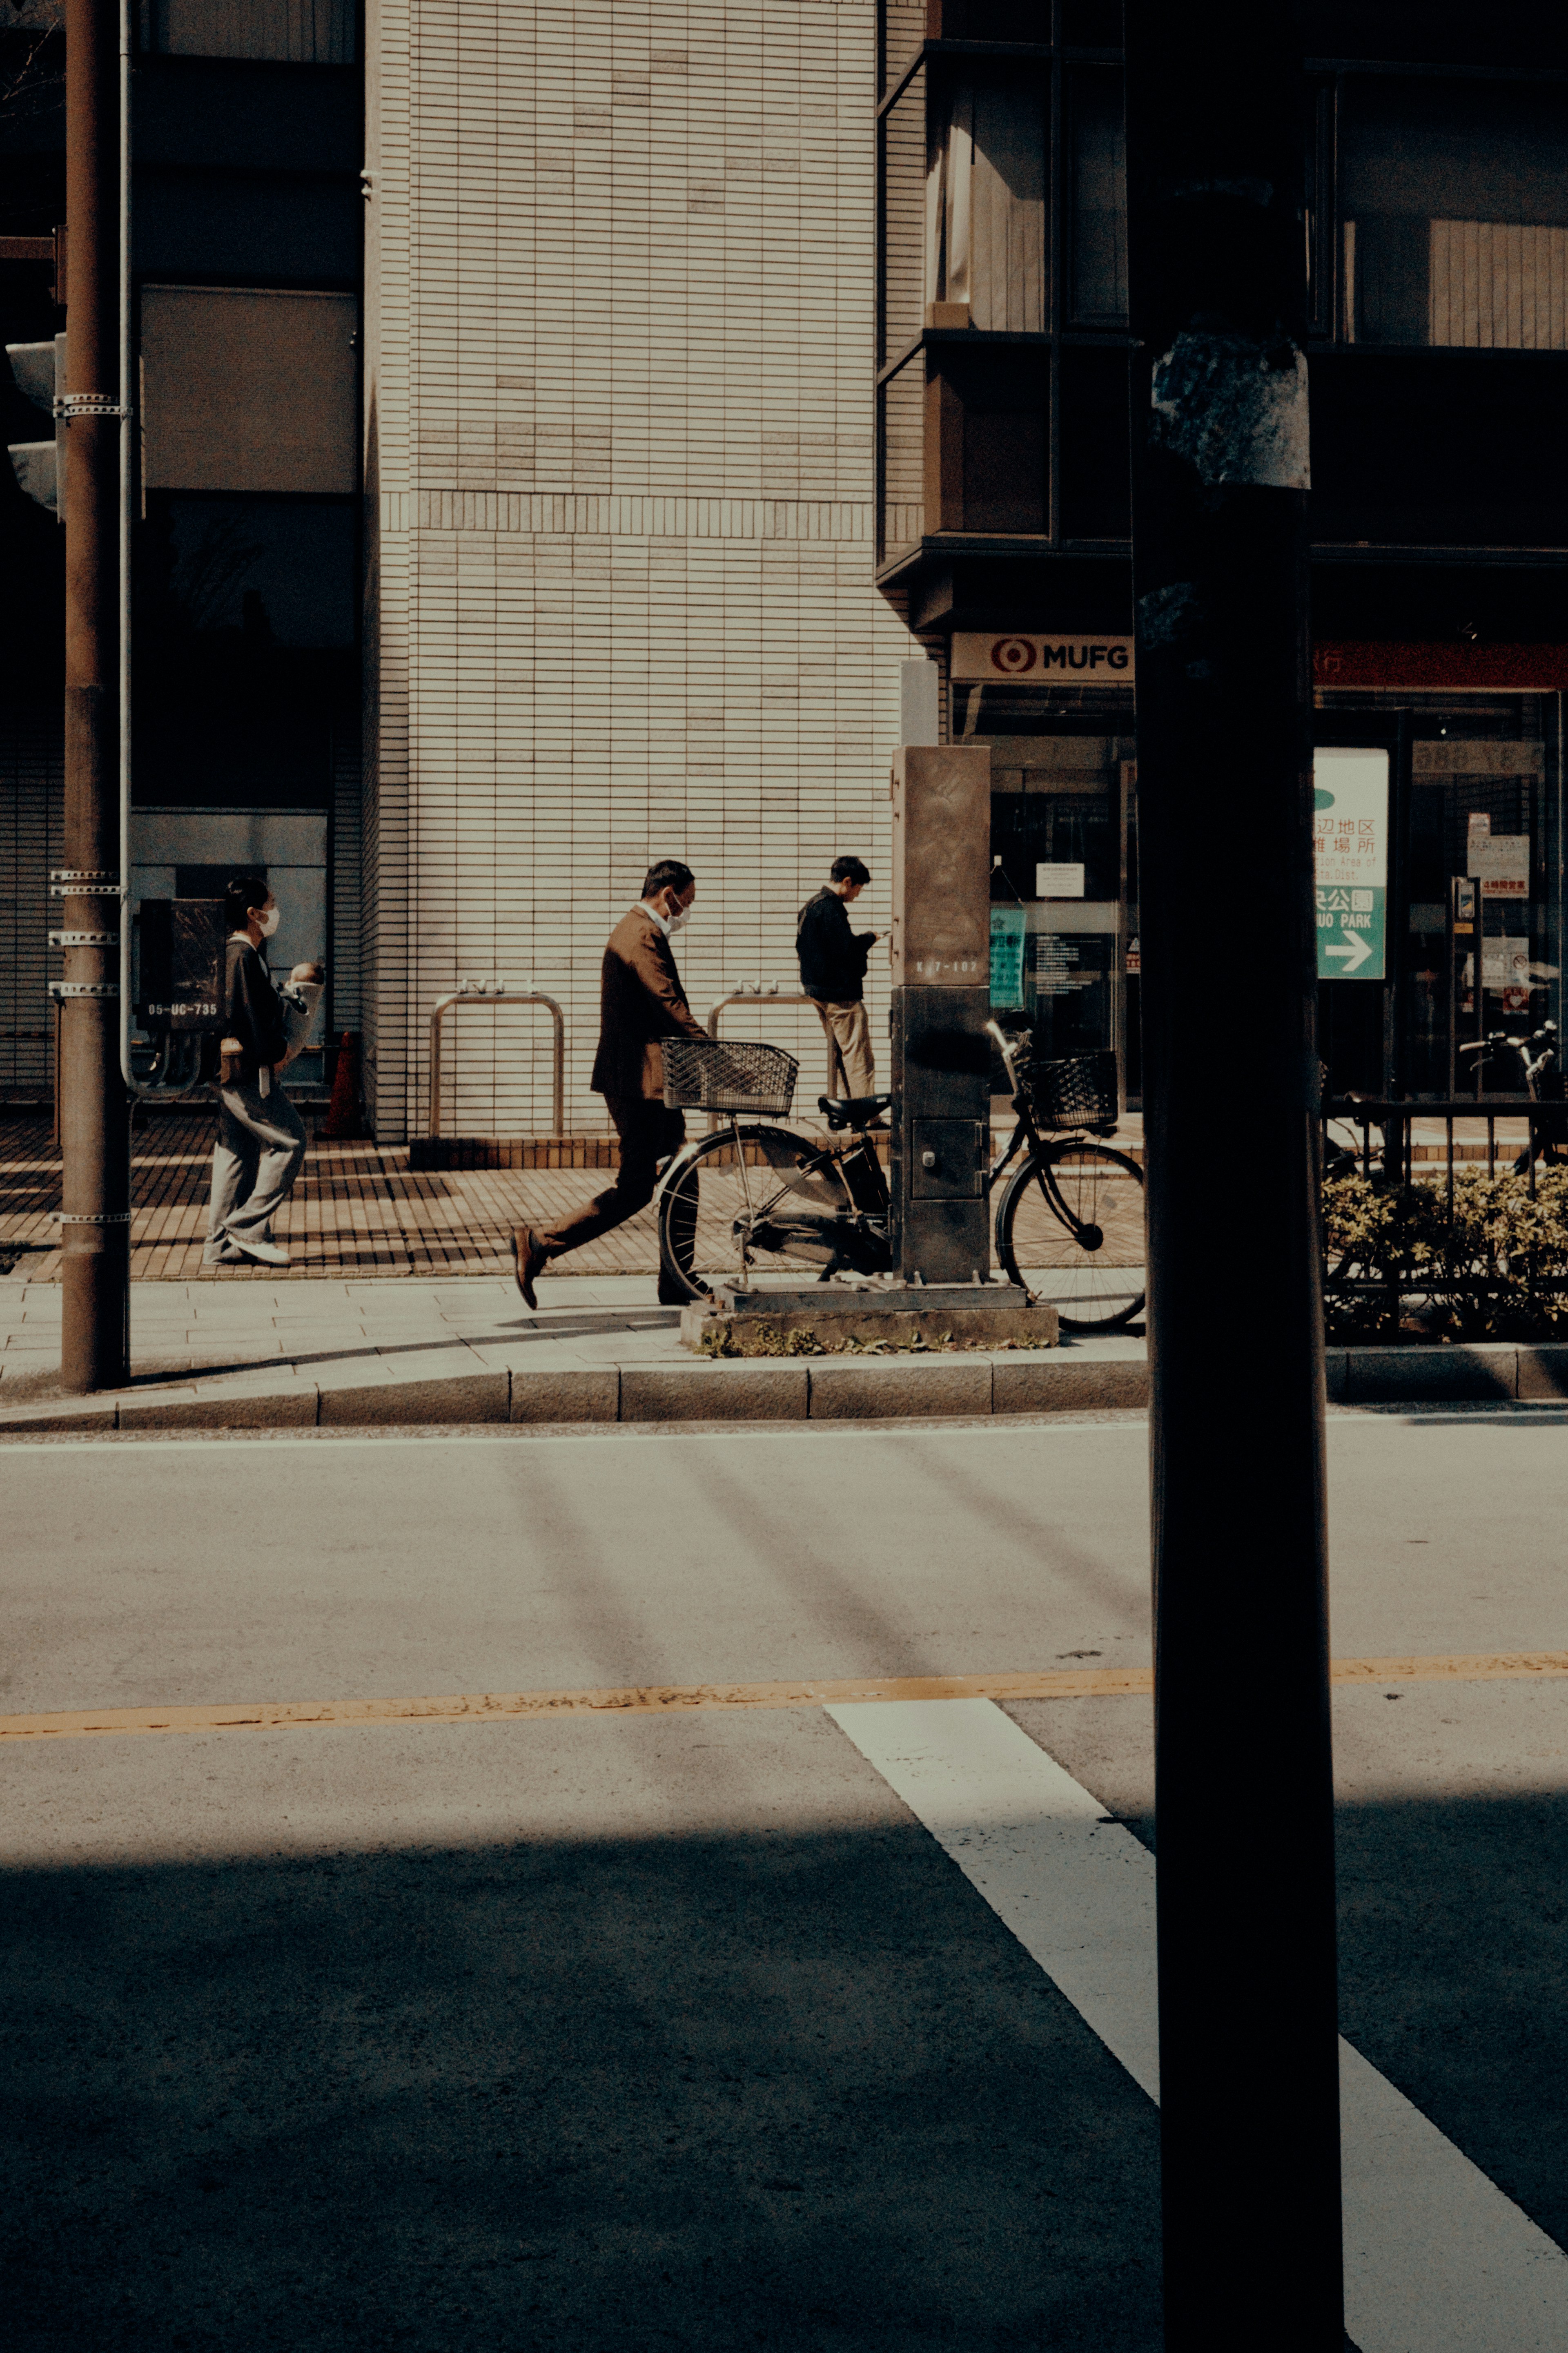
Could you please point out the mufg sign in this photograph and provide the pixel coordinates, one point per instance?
(1041, 662)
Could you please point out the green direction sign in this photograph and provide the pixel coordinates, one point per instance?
(1350, 931)
(1350, 863)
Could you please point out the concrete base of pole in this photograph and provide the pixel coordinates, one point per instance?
(96, 1321)
(960, 1314)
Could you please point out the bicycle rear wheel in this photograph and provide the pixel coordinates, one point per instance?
(1088, 1265)
(702, 1205)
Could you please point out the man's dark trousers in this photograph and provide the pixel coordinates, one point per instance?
(649, 1133)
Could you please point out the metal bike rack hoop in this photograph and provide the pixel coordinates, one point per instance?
(768, 993)
(492, 993)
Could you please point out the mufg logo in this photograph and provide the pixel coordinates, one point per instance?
(1037, 657)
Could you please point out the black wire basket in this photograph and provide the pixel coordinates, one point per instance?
(1080, 1090)
(728, 1075)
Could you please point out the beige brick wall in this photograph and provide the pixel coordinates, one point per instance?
(619, 316)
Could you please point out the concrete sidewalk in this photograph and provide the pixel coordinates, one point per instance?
(294, 1354)
(599, 1349)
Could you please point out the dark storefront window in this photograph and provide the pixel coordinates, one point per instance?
(1477, 784)
(1063, 860)
(1454, 213)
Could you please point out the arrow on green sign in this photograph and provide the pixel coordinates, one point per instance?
(1355, 947)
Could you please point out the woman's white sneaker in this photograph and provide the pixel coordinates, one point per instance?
(265, 1253)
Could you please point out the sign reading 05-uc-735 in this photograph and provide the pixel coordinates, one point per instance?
(1350, 846)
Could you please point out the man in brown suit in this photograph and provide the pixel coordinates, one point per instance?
(640, 1001)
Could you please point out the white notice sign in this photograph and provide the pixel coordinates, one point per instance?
(1058, 882)
(1501, 862)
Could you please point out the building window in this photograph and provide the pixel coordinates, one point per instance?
(1454, 214)
(985, 204)
(1098, 164)
(246, 390)
(296, 32)
(902, 258)
(1095, 487)
(281, 570)
(901, 403)
(985, 441)
(989, 20)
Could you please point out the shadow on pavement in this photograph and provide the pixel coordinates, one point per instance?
(1453, 1919)
(794, 2090)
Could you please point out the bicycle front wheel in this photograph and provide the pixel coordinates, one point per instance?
(1073, 1234)
(709, 1209)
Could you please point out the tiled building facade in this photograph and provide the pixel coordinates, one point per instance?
(615, 538)
(619, 499)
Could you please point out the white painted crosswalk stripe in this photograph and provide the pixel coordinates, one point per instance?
(1437, 2260)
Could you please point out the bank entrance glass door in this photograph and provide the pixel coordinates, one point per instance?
(1475, 840)
(1064, 862)
(1475, 890)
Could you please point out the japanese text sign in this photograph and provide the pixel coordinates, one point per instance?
(1350, 860)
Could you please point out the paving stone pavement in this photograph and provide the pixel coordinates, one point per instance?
(357, 1210)
(599, 1348)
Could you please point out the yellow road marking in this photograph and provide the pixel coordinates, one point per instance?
(647, 1699)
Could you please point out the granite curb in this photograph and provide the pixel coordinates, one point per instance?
(370, 1392)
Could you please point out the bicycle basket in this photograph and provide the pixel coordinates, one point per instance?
(1079, 1091)
(710, 1074)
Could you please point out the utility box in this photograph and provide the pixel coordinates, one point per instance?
(941, 1002)
(183, 946)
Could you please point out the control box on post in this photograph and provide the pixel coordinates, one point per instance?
(941, 1002)
(184, 943)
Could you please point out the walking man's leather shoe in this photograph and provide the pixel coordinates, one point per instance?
(529, 1257)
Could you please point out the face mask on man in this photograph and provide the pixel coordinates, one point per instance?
(268, 923)
(678, 918)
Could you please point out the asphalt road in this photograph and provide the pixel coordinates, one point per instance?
(608, 2031)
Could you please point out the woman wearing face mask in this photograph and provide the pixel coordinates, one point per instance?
(261, 1138)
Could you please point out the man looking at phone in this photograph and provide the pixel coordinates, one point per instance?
(833, 961)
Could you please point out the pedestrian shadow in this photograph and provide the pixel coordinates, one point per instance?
(568, 1323)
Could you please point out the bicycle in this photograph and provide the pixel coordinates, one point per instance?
(1070, 1222)
(1539, 1063)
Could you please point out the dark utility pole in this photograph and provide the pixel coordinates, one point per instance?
(1249, 2089)
(95, 1232)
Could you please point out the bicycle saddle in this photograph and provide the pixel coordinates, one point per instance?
(854, 1112)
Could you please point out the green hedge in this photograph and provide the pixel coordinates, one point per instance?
(1498, 1236)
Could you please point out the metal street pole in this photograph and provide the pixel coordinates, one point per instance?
(1249, 2084)
(94, 1133)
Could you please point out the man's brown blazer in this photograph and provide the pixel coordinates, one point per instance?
(640, 1001)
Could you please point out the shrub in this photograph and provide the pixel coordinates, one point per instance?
(1489, 1271)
